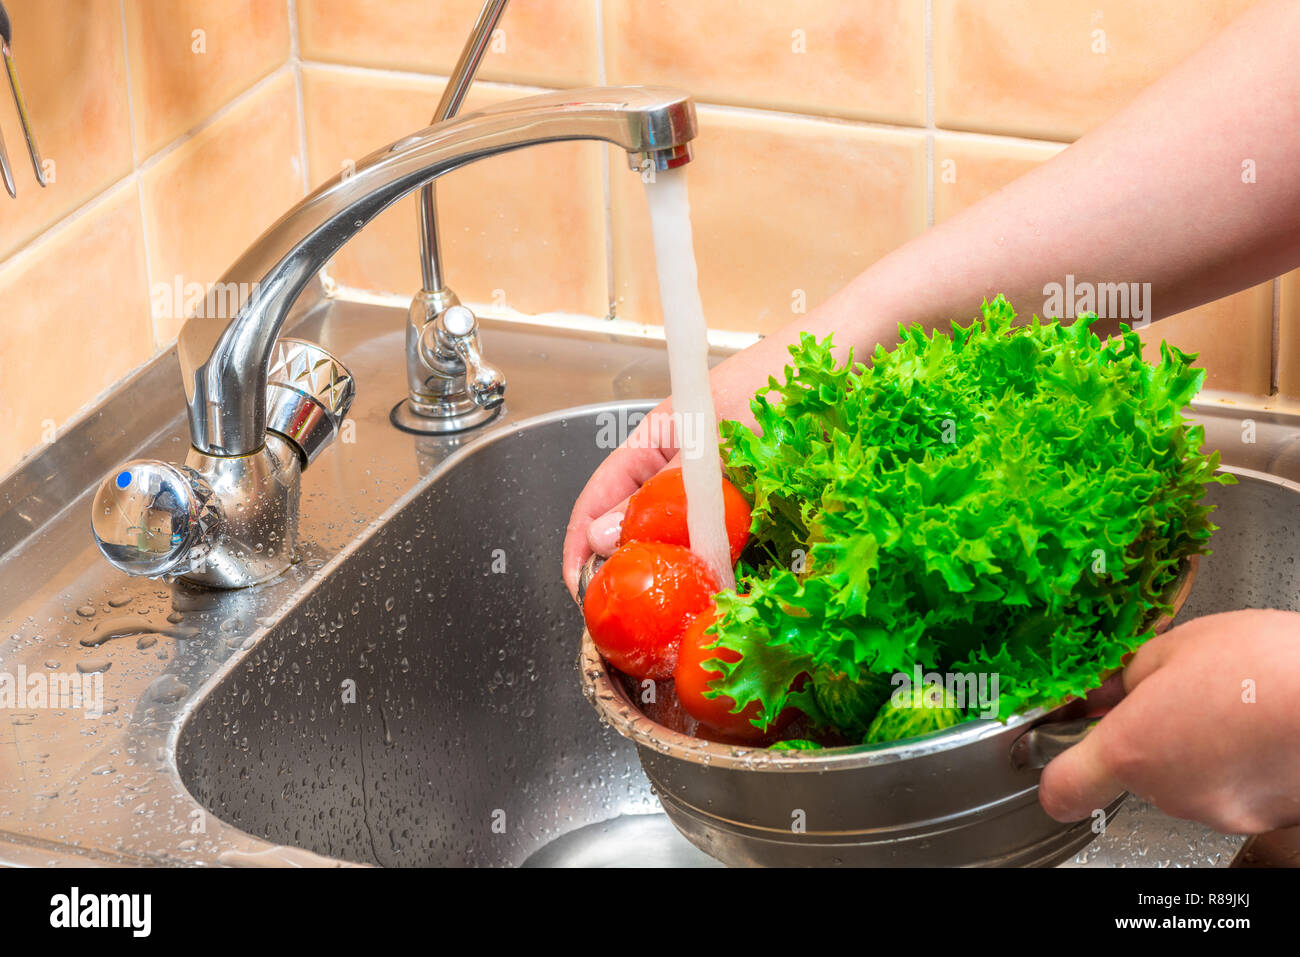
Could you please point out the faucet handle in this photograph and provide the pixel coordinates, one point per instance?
(487, 383)
(456, 329)
(153, 518)
(308, 395)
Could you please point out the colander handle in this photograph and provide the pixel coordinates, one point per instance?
(1038, 745)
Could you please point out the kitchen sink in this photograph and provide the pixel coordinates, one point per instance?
(422, 706)
(407, 693)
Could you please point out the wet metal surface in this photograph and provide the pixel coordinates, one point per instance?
(407, 693)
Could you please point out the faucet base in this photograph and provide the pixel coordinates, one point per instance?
(259, 497)
(444, 419)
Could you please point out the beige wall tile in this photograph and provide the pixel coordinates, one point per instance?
(861, 60)
(526, 229)
(70, 333)
(70, 58)
(966, 168)
(206, 201)
(544, 42)
(1289, 346)
(1231, 335)
(1028, 68)
(174, 88)
(817, 205)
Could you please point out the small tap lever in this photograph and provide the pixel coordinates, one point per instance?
(457, 328)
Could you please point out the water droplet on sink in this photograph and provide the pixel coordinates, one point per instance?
(167, 689)
(125, 627)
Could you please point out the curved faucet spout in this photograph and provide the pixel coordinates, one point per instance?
(225, 349)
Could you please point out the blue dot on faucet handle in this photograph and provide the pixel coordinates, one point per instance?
(123, 479)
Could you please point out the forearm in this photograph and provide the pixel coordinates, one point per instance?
(1154, 195)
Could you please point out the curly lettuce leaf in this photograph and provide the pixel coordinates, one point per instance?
(1003, 498)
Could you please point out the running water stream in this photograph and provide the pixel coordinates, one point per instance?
(694, 418)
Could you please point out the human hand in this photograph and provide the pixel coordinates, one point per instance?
(597, 516)
(1207, 729)
(596, 520)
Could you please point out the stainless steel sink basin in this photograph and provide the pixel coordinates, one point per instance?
(467, 741)
(243, 689)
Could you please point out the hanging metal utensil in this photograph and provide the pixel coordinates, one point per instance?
(6, 41)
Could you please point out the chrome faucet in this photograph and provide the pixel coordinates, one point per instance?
(261, 408)
(450, 387)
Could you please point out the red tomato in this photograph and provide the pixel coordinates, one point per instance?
(656, 512)
(640, 602)
(692, 681)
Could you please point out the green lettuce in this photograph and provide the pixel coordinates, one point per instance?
(1006, 499)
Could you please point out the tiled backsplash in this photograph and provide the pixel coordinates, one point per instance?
(776, 227)
(524, 229)
(171, 131)
(179, 129)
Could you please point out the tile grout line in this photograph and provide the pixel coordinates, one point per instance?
(879, 125)
(295, 59)
(731, 340)
(135, 175)
(1275, 341)
(602, 79)
(929, 113)
(390, 73)
(130, 100)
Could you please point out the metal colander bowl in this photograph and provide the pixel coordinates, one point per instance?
(964, 796)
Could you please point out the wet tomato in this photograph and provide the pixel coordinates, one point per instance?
(641, 601)
(656, 512)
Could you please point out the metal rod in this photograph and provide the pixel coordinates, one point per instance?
(462, 76)
(6, 173)
(21, 103)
